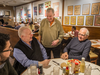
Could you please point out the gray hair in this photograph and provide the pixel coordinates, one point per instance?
(50, 9)
(21, 29)
(87, 31)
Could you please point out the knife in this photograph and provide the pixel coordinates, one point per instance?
(56, 62)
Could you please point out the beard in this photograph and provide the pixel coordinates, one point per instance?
(3, 59)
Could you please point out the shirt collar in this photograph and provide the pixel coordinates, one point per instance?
(27, 44)
(2, 65)
(52, 23)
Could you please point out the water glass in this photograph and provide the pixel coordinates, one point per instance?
(88, 70)
(33, 68)
(28, 71)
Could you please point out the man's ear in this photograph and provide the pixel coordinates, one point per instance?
(54, 14)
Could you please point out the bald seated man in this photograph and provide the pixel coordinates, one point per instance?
(28, 51)
(78, 47)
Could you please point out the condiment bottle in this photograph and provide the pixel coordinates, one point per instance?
(76, 69)
(67, 70)
(64, 71)
(82, 65)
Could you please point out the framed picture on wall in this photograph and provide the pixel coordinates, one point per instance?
(89, 20)
(47, 5)
(66, 19)
(35, 11)
(95, 8)
(97, 20)
(73, 20)
(41, 9)
(56, 8)
(77, 10)
(70, 10)
(7, 13)
(80, 20)
(86, 9)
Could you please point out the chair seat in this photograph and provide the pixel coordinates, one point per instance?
(93, 57)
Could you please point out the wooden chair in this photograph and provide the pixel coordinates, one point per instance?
(93, 57)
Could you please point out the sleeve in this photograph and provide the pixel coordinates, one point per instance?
(11, 70)
(85, 52)
(43, 51)
(66, 49)
(61, 32)
(22, 58)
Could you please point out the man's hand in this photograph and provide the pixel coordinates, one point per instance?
(45, 63)
(55, 42)
(64, 56)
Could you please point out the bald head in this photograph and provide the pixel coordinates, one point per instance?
(22, 30)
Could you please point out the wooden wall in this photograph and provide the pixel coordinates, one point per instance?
(94, 31)
(12, 14)
(13, 35)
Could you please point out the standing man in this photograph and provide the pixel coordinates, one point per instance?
(51, 34)
(5, 48)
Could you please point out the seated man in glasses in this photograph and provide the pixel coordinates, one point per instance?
(78, 47)
(28, 51)
(5, 48)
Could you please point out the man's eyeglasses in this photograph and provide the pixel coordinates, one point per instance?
(6, 50)
(81, 34)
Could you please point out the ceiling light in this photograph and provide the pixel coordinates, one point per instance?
(4, 5)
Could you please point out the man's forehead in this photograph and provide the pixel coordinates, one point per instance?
(83, 31)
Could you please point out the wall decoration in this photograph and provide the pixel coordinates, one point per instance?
(80, 20)
(89, 20)
(70, 10)
(1, 12)
(25, 11)
(77, 10)
(21, 12)
(29, 12)
(56, 8)
(97, 20)
(86, 9)
(35, 11)
(95, 8)
(41, 10)
(47, 5)
(66, 19)
(7, 13)
(73, 20)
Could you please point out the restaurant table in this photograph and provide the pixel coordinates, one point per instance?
(95, 43)
(59, 60)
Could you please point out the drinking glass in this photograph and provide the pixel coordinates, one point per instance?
(55, 70)
(33, 68)
(28, 71)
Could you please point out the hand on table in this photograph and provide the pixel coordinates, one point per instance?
(64, 56)
(45, 62)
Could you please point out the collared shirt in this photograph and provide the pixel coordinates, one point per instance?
(22, 58)
(2, 65)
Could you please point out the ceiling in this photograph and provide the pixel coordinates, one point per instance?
(14, 2)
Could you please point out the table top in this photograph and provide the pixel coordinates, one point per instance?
(59, 60)
(95, 43)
